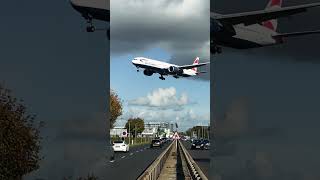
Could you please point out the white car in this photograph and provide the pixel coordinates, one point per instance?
(120, 146)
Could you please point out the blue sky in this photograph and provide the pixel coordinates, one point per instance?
(130, 85)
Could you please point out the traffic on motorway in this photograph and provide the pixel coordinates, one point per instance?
(201, 144)
(122, 146)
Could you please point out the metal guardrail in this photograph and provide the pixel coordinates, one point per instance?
(154, 170)
(193, 168)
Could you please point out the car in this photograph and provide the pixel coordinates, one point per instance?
(156, 143)
(197, 144)
(120, 146)
(164, 140)
(206, 144)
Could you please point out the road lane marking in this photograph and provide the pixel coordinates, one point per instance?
(123, 157)
(131, 154)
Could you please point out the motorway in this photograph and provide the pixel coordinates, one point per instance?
(128, 166)
(201, 157)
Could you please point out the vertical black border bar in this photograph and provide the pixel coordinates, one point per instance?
(107, 66)
(213, 103)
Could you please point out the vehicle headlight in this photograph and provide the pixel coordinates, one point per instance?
(201, 144)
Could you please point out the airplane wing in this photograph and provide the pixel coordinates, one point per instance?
(255, 17)
(193, 65)
(96, 9)
(293, 34)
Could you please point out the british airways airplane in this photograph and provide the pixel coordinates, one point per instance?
(93, 9)
(165, 69)
(253, 29)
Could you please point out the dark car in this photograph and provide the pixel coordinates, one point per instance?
(206, 144)
(164, 140)
(155, 143)
(197, 144)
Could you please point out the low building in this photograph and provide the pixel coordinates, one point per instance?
(119, 131)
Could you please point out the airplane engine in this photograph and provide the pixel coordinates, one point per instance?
(175, 70)
(147, 73)
(222, 28)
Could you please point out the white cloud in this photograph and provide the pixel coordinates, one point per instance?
(165, 98)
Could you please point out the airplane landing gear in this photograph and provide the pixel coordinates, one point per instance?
(216, 50)
(162, 78)
(90, 27)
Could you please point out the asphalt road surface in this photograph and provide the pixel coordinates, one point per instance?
(129, 165)
(201, 157)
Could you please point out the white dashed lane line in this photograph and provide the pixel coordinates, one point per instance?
(131, 154)
(123, 157)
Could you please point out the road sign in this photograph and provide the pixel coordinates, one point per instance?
(176, 136)
(124, 133)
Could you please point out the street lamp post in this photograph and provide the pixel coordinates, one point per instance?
(135, 133)
(129, 132)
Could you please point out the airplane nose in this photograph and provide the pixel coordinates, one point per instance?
(133, 62)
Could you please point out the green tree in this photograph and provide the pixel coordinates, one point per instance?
(199, 131)
(19, 138)
(115, 107)
(136, 125)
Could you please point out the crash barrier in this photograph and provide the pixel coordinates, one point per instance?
(193, 168)
(154, 170)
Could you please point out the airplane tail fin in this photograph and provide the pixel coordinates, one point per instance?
(272, 24)
(196, 61)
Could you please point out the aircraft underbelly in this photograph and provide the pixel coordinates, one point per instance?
(237, 43)
(154, 69)
(96, 13)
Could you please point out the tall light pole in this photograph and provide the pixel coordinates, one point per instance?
(135, 132)
(129, 131)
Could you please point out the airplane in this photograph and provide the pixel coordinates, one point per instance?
(93, 9)
(165, 69)
(253, 29)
